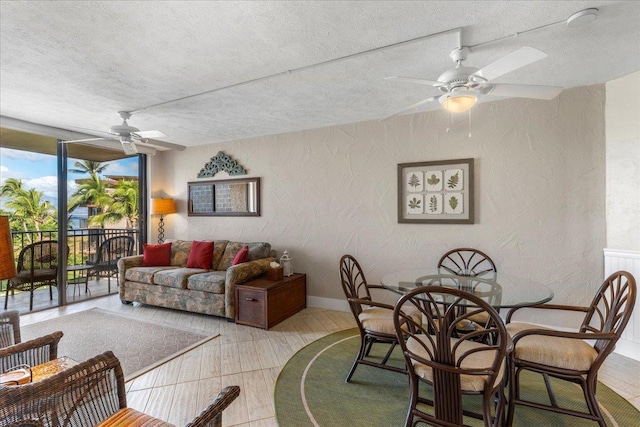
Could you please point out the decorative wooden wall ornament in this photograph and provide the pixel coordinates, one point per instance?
(221, 162)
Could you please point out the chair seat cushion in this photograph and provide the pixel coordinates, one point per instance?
(477, 360)
(565, 353)
(132, 418)
(378, 319)
(39, 274)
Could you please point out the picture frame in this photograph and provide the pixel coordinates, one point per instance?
(436, 192)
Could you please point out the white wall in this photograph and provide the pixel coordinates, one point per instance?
(623, 163)
(540, 192)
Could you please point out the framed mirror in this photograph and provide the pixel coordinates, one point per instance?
(230, 197)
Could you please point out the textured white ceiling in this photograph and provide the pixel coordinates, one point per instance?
(74, 64)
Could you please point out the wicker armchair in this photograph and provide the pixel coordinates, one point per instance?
(31, 353)
(9, 328)
(91, 393)
(572, 356)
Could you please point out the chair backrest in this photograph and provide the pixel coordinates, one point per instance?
(467, 262)
(33, 352)
(83, 395)
(444, 340)
(354, 284)
(611, 310)
(9, 328)
(38, 255)
(114, 248)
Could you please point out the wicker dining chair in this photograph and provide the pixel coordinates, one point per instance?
(467, 262)
(452, 360)
(566, 355)
(31, 353)
(9, 328)
(374, 319)
(37, 267)
(91, 393)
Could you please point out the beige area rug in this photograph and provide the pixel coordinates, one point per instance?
(140, 345)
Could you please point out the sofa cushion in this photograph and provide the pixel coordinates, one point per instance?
(218, 251)
(175, 277)
(142, 274)
(180, 250)
(212, 281)
(257, 250)
(200, 255)
(156, 255)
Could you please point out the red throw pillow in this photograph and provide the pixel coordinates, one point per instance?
(156, 255)
(200, 255)
(241, 256)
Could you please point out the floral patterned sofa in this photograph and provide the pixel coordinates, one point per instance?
(208, 291)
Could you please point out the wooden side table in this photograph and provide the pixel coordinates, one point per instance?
(263, 302)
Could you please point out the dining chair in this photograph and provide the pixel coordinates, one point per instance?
(374, 319)
(467, 262)
(572, 356)
(33, 352)
(108, 254)
(452, 361)
(9, 328)
(37, 267)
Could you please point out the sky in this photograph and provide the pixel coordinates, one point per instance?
(39, 171)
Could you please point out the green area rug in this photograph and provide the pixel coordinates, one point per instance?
(311, 391)
(140, 345)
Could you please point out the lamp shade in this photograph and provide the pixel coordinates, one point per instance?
(162, 206)
(7, 262)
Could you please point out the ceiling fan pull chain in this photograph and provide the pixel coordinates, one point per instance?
(450, 121)
(469, 123)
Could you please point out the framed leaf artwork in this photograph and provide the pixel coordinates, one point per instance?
(436, 192)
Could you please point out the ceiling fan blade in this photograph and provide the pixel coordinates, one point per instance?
(169, 145)
(149, 134)
(411, 107)
(414, 80)
(518, 59)
(71, 141)
(523, 91)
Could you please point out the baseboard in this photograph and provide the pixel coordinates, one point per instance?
(328, 303)
(628, 349)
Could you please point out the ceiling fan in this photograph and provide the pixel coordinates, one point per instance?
(464, 86)
(129, 135)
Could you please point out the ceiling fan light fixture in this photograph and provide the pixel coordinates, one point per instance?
(582, 18)
(458, 102)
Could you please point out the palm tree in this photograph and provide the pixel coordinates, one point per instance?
(121, 204)
(91, 191)
(28, 207)
(89, 167)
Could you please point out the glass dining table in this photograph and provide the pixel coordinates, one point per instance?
(498, 289)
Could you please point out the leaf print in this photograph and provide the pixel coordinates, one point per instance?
(433, 203)
(414, 203)
(414, 181)
(454, 180)
(433, 180)
(453, 202)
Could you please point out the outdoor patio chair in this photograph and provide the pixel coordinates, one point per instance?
(452, 361)
(107, 256)
(91, 393)
(374, 319)
(572, 356)
(9, 328)
(33, 352)
(37, 267)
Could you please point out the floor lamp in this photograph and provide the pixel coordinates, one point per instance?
(7, 261)
(162, 206)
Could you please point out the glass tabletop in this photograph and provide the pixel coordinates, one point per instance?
(498, 289)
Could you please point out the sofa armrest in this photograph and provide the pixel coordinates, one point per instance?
(240, 273)
(124, 263)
